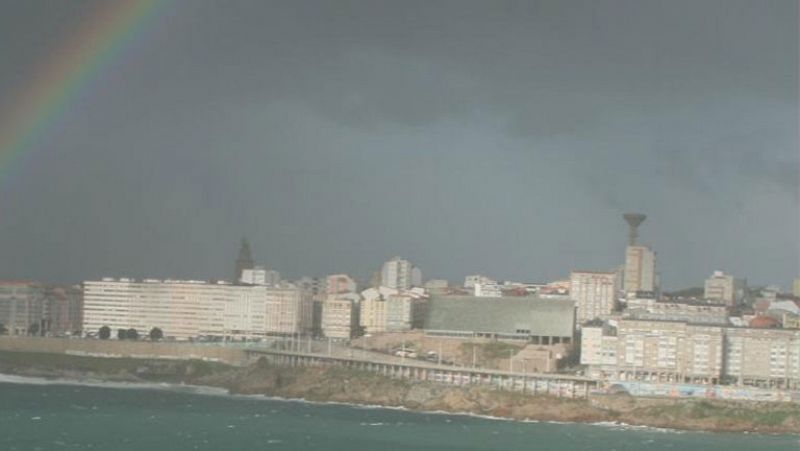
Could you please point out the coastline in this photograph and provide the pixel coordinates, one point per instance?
(355, 388)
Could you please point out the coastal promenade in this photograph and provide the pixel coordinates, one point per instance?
(559, 385)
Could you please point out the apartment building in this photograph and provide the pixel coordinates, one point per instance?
(400, 274)
(478, 279)
(594, 293)
(687, 311)
(488, 290)
(185, 309)
(673, 351)
(339, 317)
(340, 283)
(724, 289)
(640, 269)
(386, 309)
(22, 306)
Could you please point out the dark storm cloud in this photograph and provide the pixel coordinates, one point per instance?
(502, 137)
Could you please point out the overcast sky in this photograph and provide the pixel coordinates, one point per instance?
(503, 138)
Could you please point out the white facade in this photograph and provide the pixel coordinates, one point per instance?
(340, 283)
(289, 310)
(260, 276)
(471, 281)
(594, 293)
(339, 318)
(640, 269)
(597, 348)
(674, 351)
(724, 288)
(387, 309)
(488, 290)
(436, 284)
(313, 285)
(190, 309)
(400, 274)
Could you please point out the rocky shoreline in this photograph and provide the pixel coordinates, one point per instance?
(341, 385)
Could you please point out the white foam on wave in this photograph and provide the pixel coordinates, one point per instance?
(215, 391)
(193, 389)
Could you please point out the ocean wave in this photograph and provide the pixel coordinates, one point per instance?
(192, 389)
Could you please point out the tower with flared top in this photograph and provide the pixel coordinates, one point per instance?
(634, 220)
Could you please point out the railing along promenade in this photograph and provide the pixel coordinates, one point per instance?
(561, 385)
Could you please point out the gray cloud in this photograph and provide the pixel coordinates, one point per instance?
(503, 137)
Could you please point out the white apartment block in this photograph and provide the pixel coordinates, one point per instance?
(373, 314)
(289, 310)
(400, 274)
(724, 288)
(404, 312)
(765, 356)
(488, 290)
(340, 283)
(597, 346)
(22, 304)
(190, 309)
(670, 351)
(471, 281)
(640, 269)
(385, 309)
(260, 276)
(594, 293)
(339, 318)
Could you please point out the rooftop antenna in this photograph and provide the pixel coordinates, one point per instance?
(633, 220)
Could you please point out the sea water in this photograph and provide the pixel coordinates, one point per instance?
(60, 415)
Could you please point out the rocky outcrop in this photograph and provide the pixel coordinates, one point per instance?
(337, 384)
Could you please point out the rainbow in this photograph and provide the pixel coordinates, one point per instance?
(59, 79)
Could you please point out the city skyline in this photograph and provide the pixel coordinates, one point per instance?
(503, 144)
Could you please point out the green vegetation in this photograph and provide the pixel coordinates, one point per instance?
(44, 364)
(759, 414)
(156, 334)
(104, 333)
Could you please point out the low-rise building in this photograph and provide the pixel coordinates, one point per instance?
(531, 319)
(471, 281)
(696, 312)
(488, 290)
